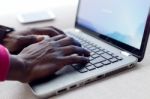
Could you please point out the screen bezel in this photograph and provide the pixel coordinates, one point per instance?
(139, 53)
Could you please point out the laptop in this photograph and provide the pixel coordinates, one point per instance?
(114, 31)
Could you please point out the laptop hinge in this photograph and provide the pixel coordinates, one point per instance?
(125, 53)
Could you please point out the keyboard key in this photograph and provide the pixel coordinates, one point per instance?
(113, 60)
(95, 56)
(110, 53)
(104, 50)
(89, 50)
(78, 66)
(91, 58)
(97, 60)
(96, 50)
(83, 70)
(89, 64)
(98, 65)
(92, 48)
(107, 56)
(106, 62)
(98, 47)
(119, 58)
(85, 44)
(92, 67)
(100, 52)
(92, 53)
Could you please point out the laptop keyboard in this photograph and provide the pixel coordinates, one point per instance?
(100, 57)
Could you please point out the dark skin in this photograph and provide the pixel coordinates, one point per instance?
(44, 56)
(18, 40)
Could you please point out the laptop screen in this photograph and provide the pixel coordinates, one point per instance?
(121, 20)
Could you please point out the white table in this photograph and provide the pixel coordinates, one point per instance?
(131, 84)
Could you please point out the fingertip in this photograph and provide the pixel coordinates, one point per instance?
(78, 43)
(60, 31)
(84, 60)
(86, 53)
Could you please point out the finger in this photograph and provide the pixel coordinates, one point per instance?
(45, 31)
(58, 30)
(30, 39)
(55, 38)
(69, 50)
(40, 37)
(69, 60)
(68, 41)
(21, 42)
(58, 37)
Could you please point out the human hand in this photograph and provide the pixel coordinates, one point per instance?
(18, 40)
(46, 57)
(49, 30)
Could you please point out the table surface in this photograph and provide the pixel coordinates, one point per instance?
(131, 84)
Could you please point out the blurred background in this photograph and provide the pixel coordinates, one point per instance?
(20, 6)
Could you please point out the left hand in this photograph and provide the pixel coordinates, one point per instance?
(50, 31)
(18, 40)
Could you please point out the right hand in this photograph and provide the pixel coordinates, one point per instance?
(50, 55)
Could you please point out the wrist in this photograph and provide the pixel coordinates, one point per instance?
(17, 69)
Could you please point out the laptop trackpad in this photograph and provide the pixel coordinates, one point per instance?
(64, 71)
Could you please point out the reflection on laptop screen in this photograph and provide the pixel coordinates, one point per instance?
(122, 20)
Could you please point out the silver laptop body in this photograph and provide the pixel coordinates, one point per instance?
(118, 35)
